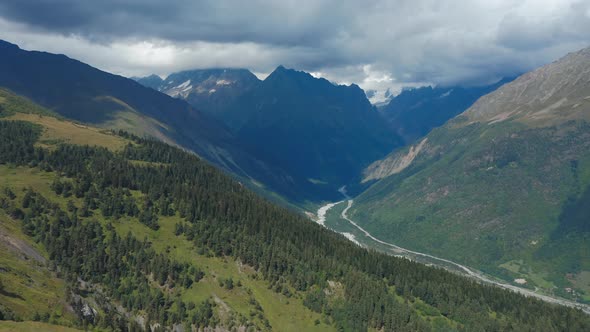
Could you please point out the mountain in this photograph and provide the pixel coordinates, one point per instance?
(415, 112)
(209, 90)
(112, 232)
(503, 187)
(319, 132)
(80, 92)
(152, 81)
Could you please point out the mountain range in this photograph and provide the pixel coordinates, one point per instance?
(209, 90)
(415, 112)
(131, 174)
(292, 114)
(80, 92)
(288, 115)
(109, 231)
(264, 160)
(502, 187)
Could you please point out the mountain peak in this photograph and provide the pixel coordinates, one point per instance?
(282, 74)
(280, 70)
(280, 67)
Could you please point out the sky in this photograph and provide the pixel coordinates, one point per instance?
(380, 45)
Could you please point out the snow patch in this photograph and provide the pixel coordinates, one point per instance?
(446, 94)
(183, 85)
(223, 82)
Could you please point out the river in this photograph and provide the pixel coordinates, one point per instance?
(430, 259)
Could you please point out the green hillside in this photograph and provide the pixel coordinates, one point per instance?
(79, 92)
(147, 234)
(503, 187)
(32, 289)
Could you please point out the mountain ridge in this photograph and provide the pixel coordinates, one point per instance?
(334, 126)
(161, 238)
(499, 187)
(415, 112)
(291, 114)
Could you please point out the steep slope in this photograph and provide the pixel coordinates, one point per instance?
(415, 112)
(319, 133)
(322, 134)
(501, 187)
(80, 92)
(204, 252)
(32, 289)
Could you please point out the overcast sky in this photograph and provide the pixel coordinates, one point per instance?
(377, 44)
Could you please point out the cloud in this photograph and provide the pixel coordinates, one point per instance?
(378, 44)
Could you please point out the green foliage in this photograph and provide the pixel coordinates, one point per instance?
(484, 194)
(16, 142)
(221, 217)
(11, 104)
(315, 300)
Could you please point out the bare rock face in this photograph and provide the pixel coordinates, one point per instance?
(554, 93)
(392, 164)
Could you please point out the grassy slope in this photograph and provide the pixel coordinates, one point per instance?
(30, 287)
(55, 129)
(283, 313)
(61, 131)
(489, 196)
(287, 313)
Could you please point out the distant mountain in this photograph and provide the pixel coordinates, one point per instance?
(152, 81)
(78, 91)
(209, 90)
(504, 187)
(317, 131)
(83, 93)
(415, 112)
(292, 134)
(320, 133)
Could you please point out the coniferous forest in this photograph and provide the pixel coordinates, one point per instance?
(149, 180)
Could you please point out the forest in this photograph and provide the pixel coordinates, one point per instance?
(149, 180)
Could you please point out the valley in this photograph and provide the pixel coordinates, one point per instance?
(363, 238)
(145, 233)
(278, 173)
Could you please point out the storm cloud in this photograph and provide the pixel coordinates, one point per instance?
(377, 44)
